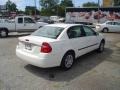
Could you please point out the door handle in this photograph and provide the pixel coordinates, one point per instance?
(24, 24)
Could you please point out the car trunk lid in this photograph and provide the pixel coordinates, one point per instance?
(32, 44)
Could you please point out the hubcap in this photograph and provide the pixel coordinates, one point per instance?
(69, 61)
(3, 33)
(105, 30)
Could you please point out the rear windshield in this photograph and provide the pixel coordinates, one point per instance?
(48, 31)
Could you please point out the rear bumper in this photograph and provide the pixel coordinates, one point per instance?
(36, 60)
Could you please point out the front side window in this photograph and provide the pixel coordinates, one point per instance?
(88, 31)
(48, 32)
(74, 32)
(28, 20)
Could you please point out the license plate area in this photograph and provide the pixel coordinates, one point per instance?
(28, 46)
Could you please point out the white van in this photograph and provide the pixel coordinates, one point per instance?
(54, 18)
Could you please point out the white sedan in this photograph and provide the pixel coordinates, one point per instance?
(109, 26)
(58, 45)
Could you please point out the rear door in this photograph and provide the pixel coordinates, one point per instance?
(19, 24)
(29, 24)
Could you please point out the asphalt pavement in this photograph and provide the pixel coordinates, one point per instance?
(93, 71)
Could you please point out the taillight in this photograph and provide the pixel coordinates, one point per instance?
(46, 48)
(98, 26)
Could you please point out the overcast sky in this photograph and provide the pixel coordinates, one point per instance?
(22, 3)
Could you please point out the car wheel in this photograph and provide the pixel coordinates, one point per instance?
(101, 47)
(67, 61)
(105, 30)
(3, 33)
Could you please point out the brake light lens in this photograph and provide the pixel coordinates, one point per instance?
(46, 48)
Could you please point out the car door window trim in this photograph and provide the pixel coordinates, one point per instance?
(94, 33)
(88, 46)
(81, 30)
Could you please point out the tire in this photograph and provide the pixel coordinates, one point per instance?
(101, 46)
(68, 61)
(105, 30)
(3, 33)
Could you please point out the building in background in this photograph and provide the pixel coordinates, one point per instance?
(108, 3)
(3, 11)
(92, 15)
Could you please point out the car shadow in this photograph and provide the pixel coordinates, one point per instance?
(82, 65)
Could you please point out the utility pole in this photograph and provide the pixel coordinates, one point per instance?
(35, 7)
(98, 11)
(113, 2)
(57, 10)
(74, 3)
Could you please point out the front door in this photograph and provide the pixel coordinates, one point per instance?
(77, 40)
(117, 26)
(91, 39)
(29, 24)
(110, 26)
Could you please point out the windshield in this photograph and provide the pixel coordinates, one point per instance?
(48, 31)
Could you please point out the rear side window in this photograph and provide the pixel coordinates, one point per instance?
(88, 31)
(20, 20)
(74, 32)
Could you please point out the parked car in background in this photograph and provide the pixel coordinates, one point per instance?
(61, 19)
(2, 20)
(109, 26)
(55, 18)
(58, 45)
(45, 20)
(87, 24)
(19, 24)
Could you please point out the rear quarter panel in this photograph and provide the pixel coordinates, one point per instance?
(9, 26)
(59, 48)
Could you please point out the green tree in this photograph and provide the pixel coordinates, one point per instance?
(51, 7)
(21, 12)
(48, 3)
(66, 3)
(30, 10)
(90, 4)
(48, 7)
(116, 2)
(11, 6)
(63, 5)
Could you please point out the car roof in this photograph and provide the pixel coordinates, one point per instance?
(63, 25)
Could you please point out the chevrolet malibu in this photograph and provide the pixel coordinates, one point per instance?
(58, 45)
(109, 26)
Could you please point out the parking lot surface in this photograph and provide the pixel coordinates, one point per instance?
(93, 71)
